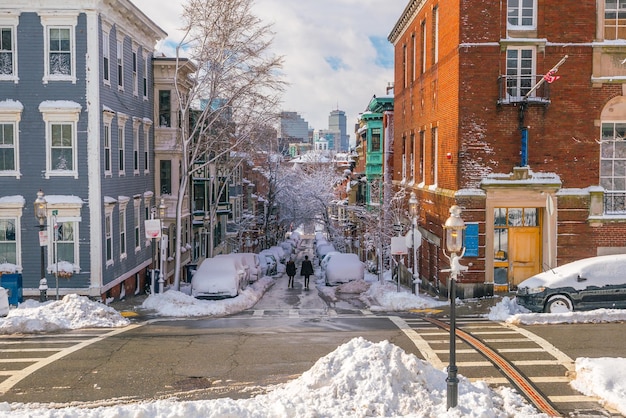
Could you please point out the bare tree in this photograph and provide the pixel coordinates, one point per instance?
(234, 89)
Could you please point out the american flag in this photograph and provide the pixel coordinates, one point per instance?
(550, 77)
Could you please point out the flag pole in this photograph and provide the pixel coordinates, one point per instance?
(542, 80)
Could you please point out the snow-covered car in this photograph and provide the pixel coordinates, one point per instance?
(288, 246)
(217, 277)
(269, 262)
(344, 268)
(590, 283)
(324, 261)
(322, 250)
(279, 253)
(251, 262)
(4, 302)
(240, 263)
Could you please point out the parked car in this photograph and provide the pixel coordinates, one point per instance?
(217, 277)
(344, 268)
(251, 263)
(590, 283)
(322, 250)
(279, 253)
(239, 263)
(271, 262)
(326, 258)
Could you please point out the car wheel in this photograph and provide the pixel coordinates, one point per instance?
(559, 304)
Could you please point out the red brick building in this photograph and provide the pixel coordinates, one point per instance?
(539, 172)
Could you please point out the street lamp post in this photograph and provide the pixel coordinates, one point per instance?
(454, 228)
(163, 247)
(41, 214)
(416, 237)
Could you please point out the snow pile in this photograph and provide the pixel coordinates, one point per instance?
(386, 297)
(508, 310)
(358, 379)
(602, 377)
(71, 312)
(179, 304)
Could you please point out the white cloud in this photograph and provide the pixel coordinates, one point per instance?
(308, 33)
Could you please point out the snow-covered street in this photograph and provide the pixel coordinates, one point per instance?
(359, 378)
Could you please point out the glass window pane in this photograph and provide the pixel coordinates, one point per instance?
(515, 217)
(501, 244)
(499, 216)
(530, 217)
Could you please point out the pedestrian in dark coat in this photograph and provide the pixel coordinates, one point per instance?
(290, 268)
(306, 270)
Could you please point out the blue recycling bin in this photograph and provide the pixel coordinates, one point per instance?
(13, 284)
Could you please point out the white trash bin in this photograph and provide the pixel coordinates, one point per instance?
(4, 302)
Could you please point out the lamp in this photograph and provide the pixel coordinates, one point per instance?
(454, 228)
(41, 207)
(162, 212)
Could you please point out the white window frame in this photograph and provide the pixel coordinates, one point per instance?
(107, 118)
(106, 57)
(146, 146)
(136, 164)
(120, 64)
(424, 47)
(121, 143)
(518, 13)
(145, 86)
(54, 20)
(435, 35)
(434, 132)
(11, 114)
(108, 231)
(15, 216)
(11, 22)
(68, 210)
(66, 113)
(520, 91)
(135, 71)
(137, 222)
(122, 232)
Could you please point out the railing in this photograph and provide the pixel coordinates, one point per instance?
(512, 89)
(614, 203)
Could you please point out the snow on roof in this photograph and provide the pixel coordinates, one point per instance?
(59, 104)
(17, 200)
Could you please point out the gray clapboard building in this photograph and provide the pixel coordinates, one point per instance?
(76, 122)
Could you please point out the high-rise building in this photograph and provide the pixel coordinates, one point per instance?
(337, 123)
(293, 126)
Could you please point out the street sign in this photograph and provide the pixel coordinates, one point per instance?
(43, 238)
(55, 212)
(153, 228)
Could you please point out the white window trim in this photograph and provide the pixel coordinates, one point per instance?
(61, 112)
(137, 221)
(145, 76)
(119, 64)
(147, 124)
(106, 53)
(435, 157)
(136, 159)
(533, 70)
(121, 142)
(68, 209)
(12, 209)
(135, 70)
(54, 20)
(11, 22)
(107, 118)
(435, 35)
(532, 26)
(123, 234)
(109, 206)
(11, 113)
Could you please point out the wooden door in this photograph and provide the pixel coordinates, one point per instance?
(524, 253)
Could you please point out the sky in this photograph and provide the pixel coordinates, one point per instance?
(336, 52)
(358, 379)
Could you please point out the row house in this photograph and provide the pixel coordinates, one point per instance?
(516, 112)
(77, 123)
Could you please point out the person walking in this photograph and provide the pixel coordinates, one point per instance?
(306, 270)
(290, 269)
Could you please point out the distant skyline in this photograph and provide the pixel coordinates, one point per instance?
(336, 52)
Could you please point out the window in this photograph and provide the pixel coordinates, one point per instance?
(108, 227)
(137, 220)
(422, 154)
(136, 124)
(413, 57)
(165, 108)
(120, 65)
(405, 67)
(412, 156)
(166, 176)
(107, 119)
(106, 58)
(65, 241)
(435, 39)
(403, 157)
(10, 115)
(146, 148)
(135, 79)
(61, 124)
(614, 19)
(59, 44)
(122, 233)
(145, 77)
(375, 142)
(613, 165)
(520, 69)
(121, 145)
(8, 50)
(433, 155)
(521, 14)
(8, 241)
(423, 54)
